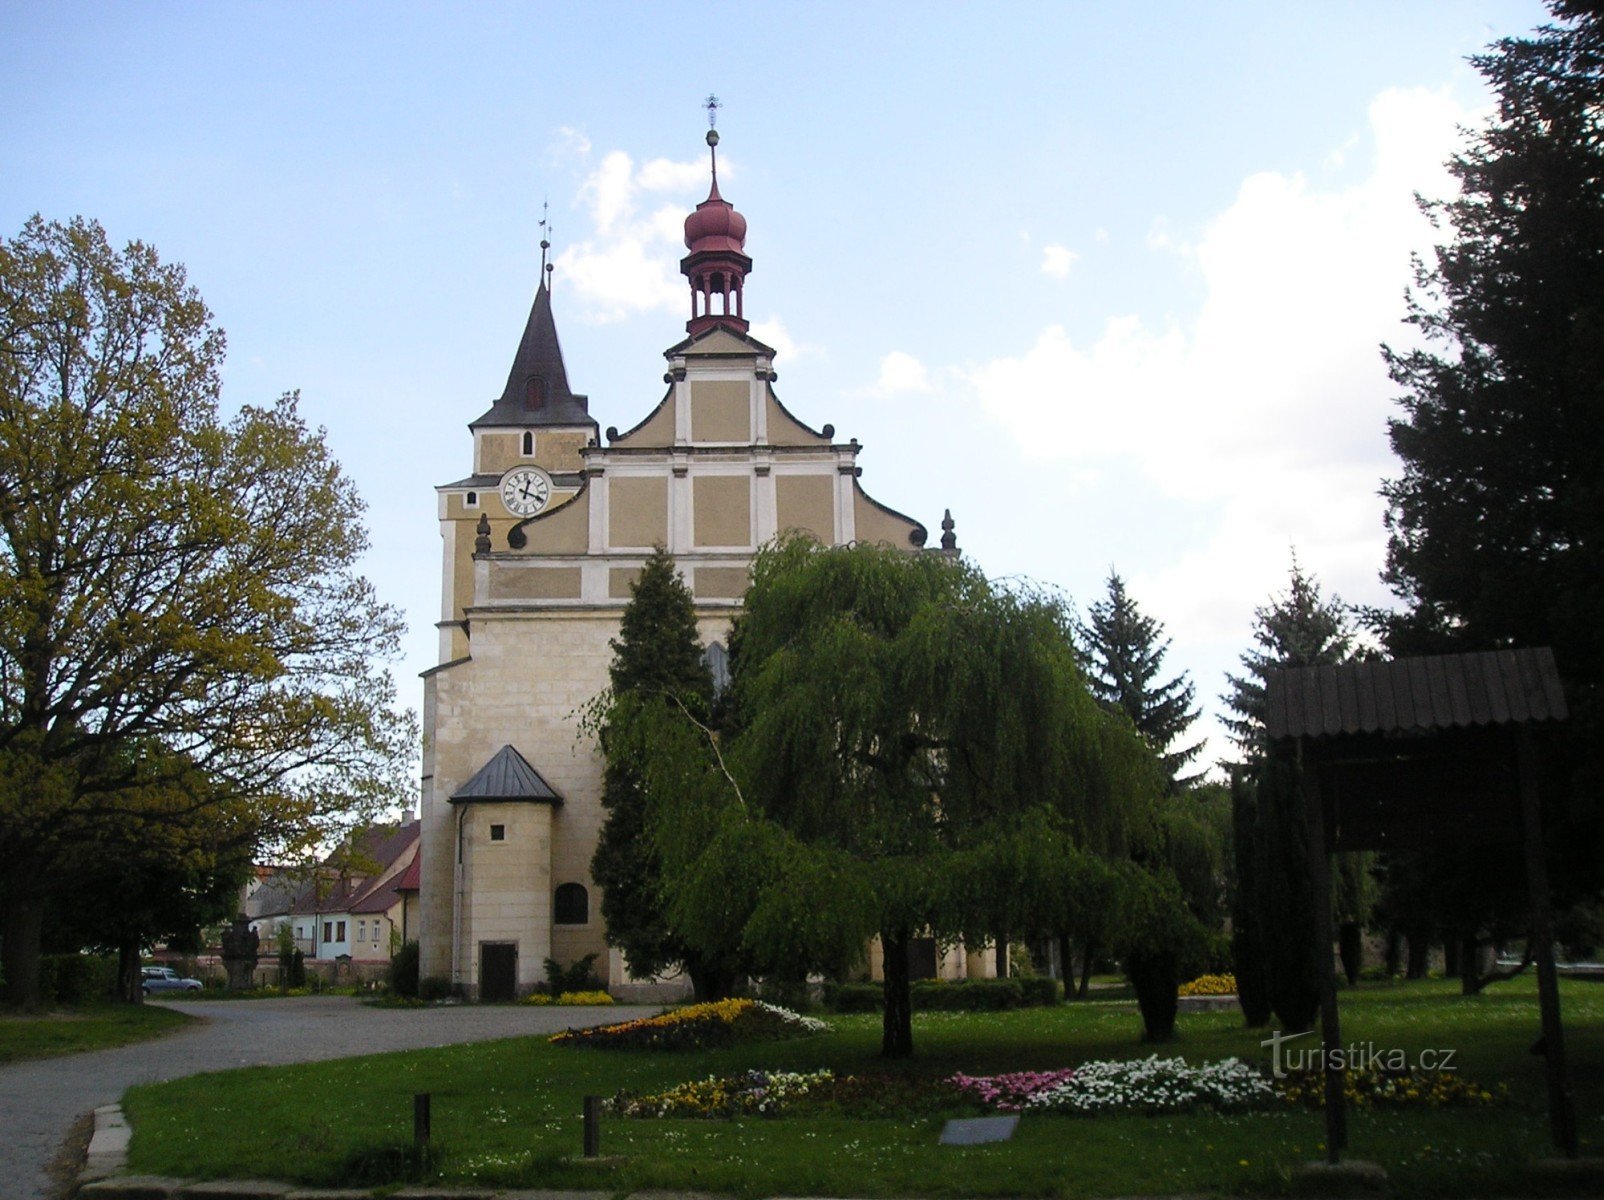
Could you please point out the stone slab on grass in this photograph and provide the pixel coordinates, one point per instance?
(236, 1189)
(978, 1131)
(330, 1194)
(133, 1187)
(548, 1194)
(442, 1193)
(1352, 1177)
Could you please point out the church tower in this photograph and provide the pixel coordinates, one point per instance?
(541, 543)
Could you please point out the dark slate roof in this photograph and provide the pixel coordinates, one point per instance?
(1499, 687)
(540, 356)
(507, 776)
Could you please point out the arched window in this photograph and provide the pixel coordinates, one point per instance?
(529, 443)
(571, 905)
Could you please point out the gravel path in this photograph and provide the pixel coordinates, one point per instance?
(40, 1100)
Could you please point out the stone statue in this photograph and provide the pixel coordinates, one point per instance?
(240, 942)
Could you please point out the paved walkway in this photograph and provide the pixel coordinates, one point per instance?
(40, 1100)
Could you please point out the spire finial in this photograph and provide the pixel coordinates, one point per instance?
(545, 240)
(712, 105)
(949, 539)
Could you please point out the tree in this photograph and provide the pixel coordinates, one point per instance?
(1496, 521)
(178, 592)
(901, 728)
(1275, 937)
(657, 654)
(1122, 652)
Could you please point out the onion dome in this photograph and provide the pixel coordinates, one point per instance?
(715, 225)
(717, 265)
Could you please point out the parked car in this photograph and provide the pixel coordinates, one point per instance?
(165, 979)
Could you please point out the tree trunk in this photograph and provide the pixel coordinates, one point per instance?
(1394, 953)
(1154, 976)
(1002, 955)
(1088, 953)
(130, 984)
(896, 1038)
(1419, 954)
(1350, 945)
(707, 982)
(1451, 958)
(1066, 965)
(24, 927)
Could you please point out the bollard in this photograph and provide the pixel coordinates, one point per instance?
(593, 1109)
(420, 1120)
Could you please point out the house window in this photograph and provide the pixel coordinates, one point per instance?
(328, 931)
(498, 833)
(361, 931)
(339, 931)
(375, 933)
(471, 500)
(529, 443)
(571, 905)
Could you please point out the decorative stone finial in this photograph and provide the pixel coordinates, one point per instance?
(949, 539)
(481, 542)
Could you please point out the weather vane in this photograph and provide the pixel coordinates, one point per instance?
(545, 239)
(712, 105)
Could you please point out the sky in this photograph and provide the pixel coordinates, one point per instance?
(1107, 281)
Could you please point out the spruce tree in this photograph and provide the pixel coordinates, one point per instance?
(1122, 650)
(657, 653)
(1275, 943)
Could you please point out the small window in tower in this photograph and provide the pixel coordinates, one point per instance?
(571, 905)
(498, 833)
(471, 500)
(534, 392)
(529, 443)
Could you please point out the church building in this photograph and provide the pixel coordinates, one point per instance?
(541, 541)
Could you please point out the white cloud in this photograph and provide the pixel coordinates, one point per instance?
(901, 373)
(625, 264)
(774, 333)
(1056, 261)
(1264, 415)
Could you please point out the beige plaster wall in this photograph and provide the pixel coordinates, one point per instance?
(874, 524)
(723, 515)
(559, 449)
(508, 886)
(619, 581)
(720, 583)
(637, 508)
(721, 410)
(806, 502)
(513, 581)
(566, 530)
(786, 430)
(657, 430)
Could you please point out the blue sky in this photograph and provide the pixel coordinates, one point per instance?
(1124, 268)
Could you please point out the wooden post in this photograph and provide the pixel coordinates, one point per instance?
(420, 1120)
(1330, 1025)
(593, 1111)
(1561, 1107)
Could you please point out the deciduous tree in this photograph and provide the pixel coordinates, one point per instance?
(168, 577)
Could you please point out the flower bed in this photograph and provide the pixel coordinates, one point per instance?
(568, 998)
(1156, 1085)
(1366, 1088)
(754, 1093)
(1210, 985)
(699, 1027)
(1010, 1093)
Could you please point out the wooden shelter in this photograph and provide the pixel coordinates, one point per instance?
(1415, 752)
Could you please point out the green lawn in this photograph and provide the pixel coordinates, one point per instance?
(67, 1031)
(507, 1113)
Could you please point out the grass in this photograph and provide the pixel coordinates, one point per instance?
(69, 1031)
(506, 1114)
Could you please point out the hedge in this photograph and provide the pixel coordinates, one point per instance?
(969, 995)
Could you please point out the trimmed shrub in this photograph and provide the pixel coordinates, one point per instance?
(435, 987)
(969, 995)
(403, 973)
(74, 979)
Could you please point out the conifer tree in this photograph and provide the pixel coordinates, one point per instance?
(1121, 651)
(657, 654)
(1274, 938)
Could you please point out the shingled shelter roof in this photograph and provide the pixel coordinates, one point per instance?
(507, 776)
(1428, 692)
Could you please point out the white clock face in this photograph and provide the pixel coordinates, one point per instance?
(525, 490)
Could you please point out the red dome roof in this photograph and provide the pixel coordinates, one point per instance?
(715, 225)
